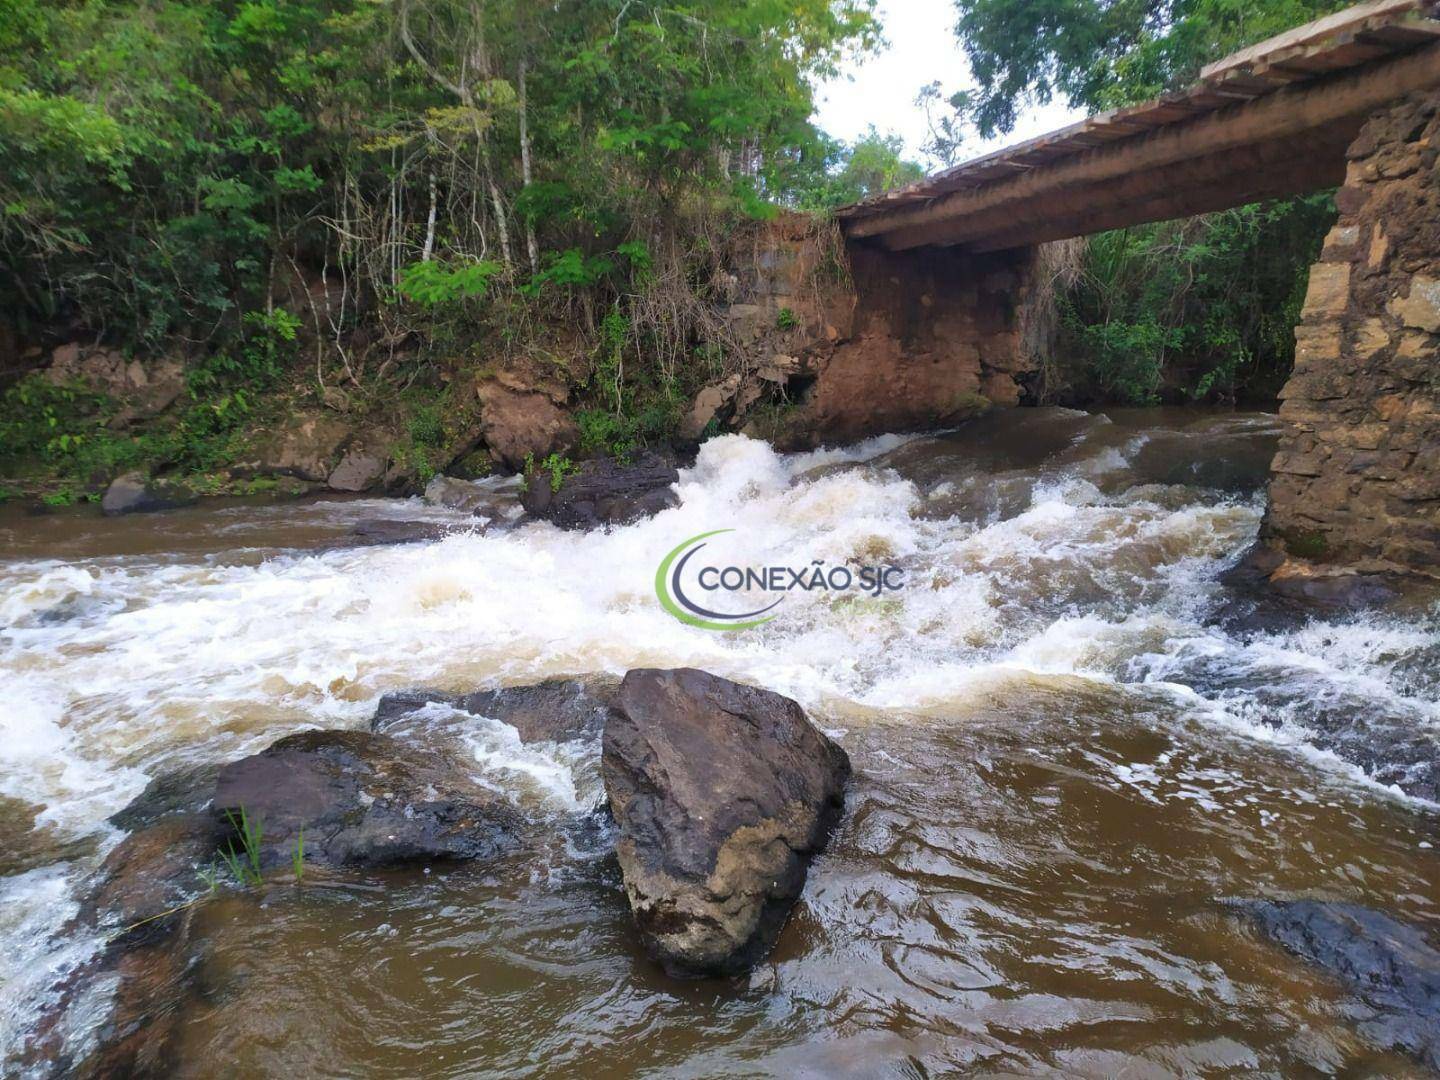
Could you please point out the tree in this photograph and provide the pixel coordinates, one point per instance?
(846, 173)
(1100, 54)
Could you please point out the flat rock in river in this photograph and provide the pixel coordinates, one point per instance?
(558, 710)
(365, 799)
(1391, 966)
(135, 493)
(723, 793)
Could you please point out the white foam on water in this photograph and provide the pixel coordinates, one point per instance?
(36, 958)
(194, 660)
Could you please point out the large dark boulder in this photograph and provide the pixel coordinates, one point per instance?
(1392, 967)
(365, 799)
(604, 492)
(723, 794)
(558, 710)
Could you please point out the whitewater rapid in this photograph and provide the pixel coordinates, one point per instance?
(119, 668)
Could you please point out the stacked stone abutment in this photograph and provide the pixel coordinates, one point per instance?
(1357, 477)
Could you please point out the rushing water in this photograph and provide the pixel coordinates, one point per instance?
(1064, 756)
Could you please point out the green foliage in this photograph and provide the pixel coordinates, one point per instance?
(297, 857)
(1202, 309)
(61, 497)
(434, 423)
(300, 193)
(558, 466)
(426, 431)
(605, 432)
(431, 284)
(846, 174)
(38, 417)
(244, 864)
(1103, 55)
(786, 319)
(1305, 544)
(168, 165)
(570, 268)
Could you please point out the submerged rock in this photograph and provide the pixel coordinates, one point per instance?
(1391, 966)
(1268, 591)
(152, 871)
(558, 710)
(26, 844)
(365, 799)
(492, 499)
(374, 532)
(604, 492)
(454, 494)
(140, 899)
(134, 493)
(723, 793)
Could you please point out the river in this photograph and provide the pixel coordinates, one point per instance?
(1070, 738)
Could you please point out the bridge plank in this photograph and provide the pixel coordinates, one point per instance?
(1321, 75)
(1315, 32)
(1106, 172)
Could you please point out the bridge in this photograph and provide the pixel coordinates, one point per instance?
(945, 270)
(1270, 121)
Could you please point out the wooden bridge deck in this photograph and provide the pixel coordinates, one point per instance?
(1272, 120)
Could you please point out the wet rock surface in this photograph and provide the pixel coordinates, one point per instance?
(375, 532)
(185, 790)
(362, 799)
(557, 710)
(454, 494)
(141, 900)
(153, 870)
(499, 500)
(135, 493)
(365, 799)
(605, 492)
(1265, 590)
(723, 793)
(1392, 967)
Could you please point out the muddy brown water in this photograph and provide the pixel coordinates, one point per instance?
(1065, 763)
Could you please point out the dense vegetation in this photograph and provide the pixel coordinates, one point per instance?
(358, 203)
(1178, 311)
(354, 197)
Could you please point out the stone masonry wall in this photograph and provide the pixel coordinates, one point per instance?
(901, 342)
(934, 341)
(1357, 477)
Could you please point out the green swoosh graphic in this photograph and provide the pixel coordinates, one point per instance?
(662, 590)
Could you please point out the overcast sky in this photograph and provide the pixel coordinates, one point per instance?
(881, 90)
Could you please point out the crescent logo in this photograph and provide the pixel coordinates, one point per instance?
(672, 596)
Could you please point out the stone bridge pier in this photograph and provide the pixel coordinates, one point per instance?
(1357, 478)
(949, 275)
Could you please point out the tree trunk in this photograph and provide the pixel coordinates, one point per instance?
(531, 248)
